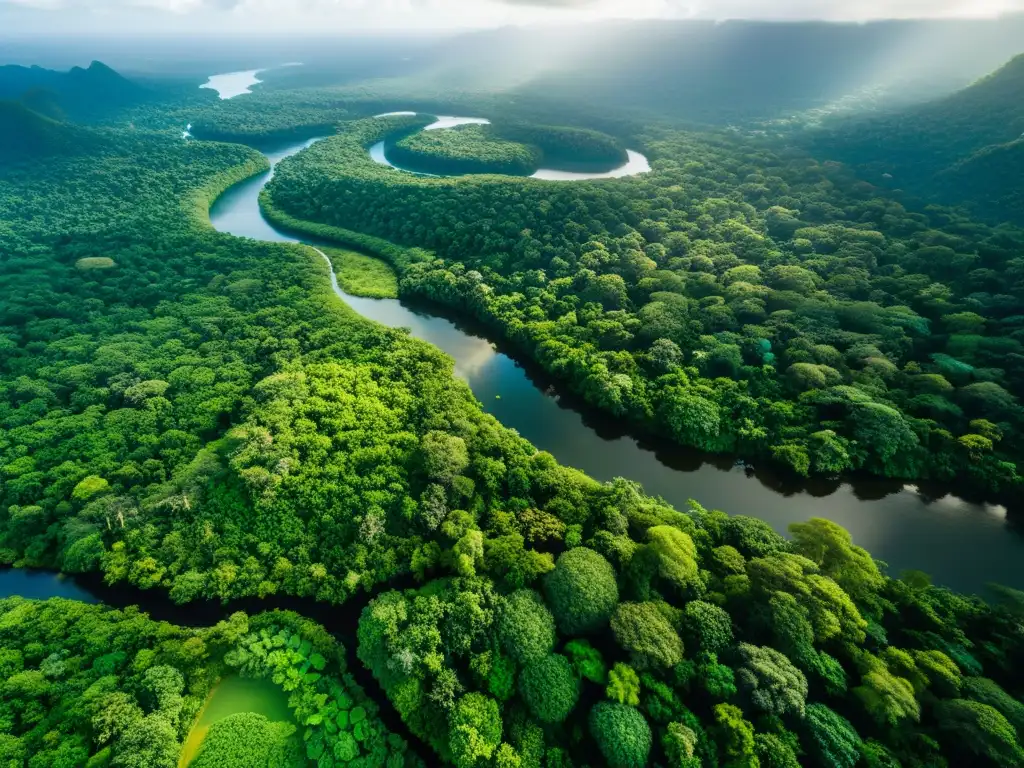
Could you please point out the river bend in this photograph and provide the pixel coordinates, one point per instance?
(962, 544)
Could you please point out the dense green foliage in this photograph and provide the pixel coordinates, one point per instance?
(569, 149)
(89, 686)
(734, 299)
(247, 739)
(582, 591)
(622, 735)
(549, 687)
(517, 149)
(196, 413)
(463, 149)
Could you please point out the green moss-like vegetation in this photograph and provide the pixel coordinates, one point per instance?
(550, 688)
(248, 740)
(464, 149)
(95, 262)
(582, 591)
(362, 275)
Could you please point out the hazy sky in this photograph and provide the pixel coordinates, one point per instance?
(347, 15)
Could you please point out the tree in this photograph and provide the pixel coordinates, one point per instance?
(549, 687)
(623, 685)
(773, 752)
(986, 691)
(581, 591)
(526, 626)
(752, 537)
(888, 698)
(830, 546)
(676, 555)
(971, 727)
(770, 681)
(444, 456)
(693, 419)
(475, 729)
(641, 629)
(735, 736)
(622, 734)
(147, 743)
(708, 627)
(117, 712)
(831, 741)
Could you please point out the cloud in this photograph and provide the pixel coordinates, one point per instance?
(553, 3)
(846, 10)
(286, 16)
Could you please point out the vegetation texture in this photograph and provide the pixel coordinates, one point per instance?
(734, 299)
(464, 149)
(89, 686)
(198, 414)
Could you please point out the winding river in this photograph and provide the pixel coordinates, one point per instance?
(962, 544)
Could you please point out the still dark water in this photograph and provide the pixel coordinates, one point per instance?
(962, 544)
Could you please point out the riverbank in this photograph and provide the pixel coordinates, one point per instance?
(963, 544)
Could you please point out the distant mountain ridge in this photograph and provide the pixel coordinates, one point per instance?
(80, 93)
(731, 71)
(965, 148)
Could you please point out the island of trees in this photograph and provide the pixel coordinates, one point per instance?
(514, 149)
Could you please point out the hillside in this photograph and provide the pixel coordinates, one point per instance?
(732, 71)
(26, 135)
(82, 94)
(957, 149)
(990, 179)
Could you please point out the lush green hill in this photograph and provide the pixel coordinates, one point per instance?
(990, 179)
(962, 148)
(83, 93)
(705, 71)
(25, 134)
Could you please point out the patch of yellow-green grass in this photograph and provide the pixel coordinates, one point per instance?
(362, 275)
(95, 262)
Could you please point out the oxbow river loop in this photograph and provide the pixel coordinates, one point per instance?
(636, 163)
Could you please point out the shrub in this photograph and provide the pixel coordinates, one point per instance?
(709, 626)
(646, 634)
(248, 740)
